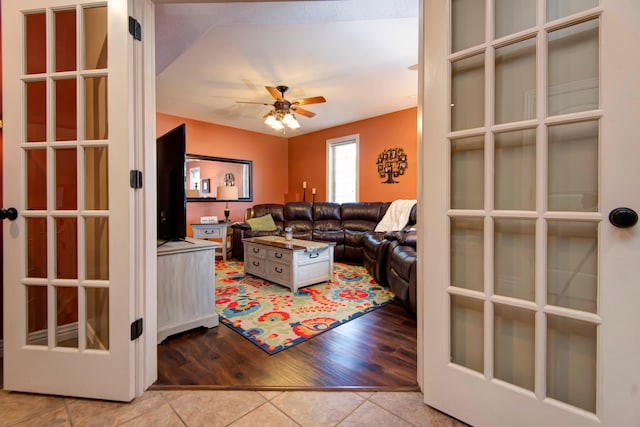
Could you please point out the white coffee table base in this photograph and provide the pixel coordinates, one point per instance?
(291, 263)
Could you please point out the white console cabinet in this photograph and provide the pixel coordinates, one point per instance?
(186, 285)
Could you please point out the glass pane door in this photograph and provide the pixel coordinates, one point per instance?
(526, 262)
(62, 289)
(529, 307)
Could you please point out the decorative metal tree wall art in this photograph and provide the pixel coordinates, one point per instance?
(392, 163)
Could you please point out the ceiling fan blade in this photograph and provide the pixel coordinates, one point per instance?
(302, 111)
(312, 100)
(274, 92)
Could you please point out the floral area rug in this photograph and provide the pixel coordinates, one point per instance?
(274, 318)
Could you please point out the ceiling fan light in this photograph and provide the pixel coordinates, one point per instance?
(277, 125)
(270, 120)
(288, 119)
(293, 124)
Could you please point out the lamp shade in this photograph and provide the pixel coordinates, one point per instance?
(227, 192)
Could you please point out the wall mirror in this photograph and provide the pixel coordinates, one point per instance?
(205, 174)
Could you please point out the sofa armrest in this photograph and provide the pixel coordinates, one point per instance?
(237, 247)
(404, 238)
(409, 238)
(392, 235)
(241, 225)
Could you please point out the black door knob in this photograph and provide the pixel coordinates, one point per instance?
(11, 214)
(623, 217)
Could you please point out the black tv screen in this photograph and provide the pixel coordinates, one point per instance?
(171, 185)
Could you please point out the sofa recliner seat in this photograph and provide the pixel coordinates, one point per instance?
(327, 226)
(375, 247)
(401, 265)
(375, 255)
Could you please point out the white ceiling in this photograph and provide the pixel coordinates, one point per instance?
(355, 53)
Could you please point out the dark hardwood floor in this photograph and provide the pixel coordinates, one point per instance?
(376, 351)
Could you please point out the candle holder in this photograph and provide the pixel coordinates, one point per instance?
(304, 194)
(313, 198)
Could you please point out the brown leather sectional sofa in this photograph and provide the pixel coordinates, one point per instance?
(389, 257)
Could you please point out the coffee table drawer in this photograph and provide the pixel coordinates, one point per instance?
(314, 256)
(279, 255)
(255, 265)
(256, 251)
(279, 272)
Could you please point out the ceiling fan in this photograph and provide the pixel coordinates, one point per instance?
(282, 106)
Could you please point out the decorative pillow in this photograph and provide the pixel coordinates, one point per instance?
(262, 223)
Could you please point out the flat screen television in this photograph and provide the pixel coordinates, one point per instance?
(171, 185)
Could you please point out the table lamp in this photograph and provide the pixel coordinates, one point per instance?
(226, 193)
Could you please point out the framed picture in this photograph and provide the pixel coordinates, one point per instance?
(205, 187)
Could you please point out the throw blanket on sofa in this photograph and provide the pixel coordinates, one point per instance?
(396, 216)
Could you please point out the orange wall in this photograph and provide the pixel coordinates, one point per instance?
(280, 165)
(307, 157)
(268, 153)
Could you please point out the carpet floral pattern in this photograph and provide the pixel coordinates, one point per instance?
(274, 318)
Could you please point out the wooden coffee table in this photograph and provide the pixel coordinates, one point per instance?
(291, 263)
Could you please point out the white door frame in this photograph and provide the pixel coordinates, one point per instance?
(145, 130)
(149, 73)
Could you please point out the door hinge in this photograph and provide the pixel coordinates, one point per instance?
(135, 29)
(135, 179)
(136, 329)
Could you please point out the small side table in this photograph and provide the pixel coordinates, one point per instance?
(214, 231)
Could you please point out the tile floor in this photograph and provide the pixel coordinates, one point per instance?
(226, 408)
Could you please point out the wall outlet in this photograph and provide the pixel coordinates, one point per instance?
(208, 220)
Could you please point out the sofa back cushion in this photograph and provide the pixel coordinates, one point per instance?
(363, 216)
(357, 219)
(299, 217)
(327, 226)
(326, 216)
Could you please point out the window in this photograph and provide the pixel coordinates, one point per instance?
(342, 165)
(194, 178)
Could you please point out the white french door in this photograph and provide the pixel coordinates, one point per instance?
(69, 256)
(530, 150)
